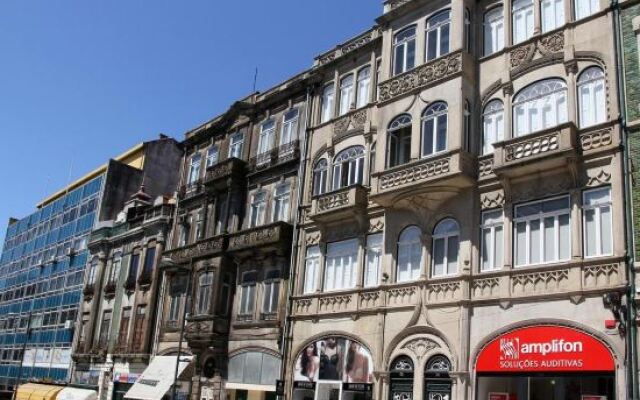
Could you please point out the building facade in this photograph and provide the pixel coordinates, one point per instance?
(480, 167)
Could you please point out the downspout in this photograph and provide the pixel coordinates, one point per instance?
(285, 342)
(631, 331)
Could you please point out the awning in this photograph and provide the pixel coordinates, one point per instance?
(70, 393)
(157, 379)
(250, 387)
(36, 391)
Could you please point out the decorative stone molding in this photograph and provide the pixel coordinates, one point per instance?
(349, 47)
(492, 200)
(334, 205)
(596, 139)
(546, 45)
(445, 291)
(420, 346)
(302, 306)
(598, 276)
(402, 296)
(420, 77)
(532, 147)
(350, 122)
(376, 226)
(333, 200)
(225, 169)
(600, 178)
(274, 234)
(484, 288)
(540, 282)
(334, 304)
(485, 167)
(312, 239)
(370, 299)
(393, 4)
(414, 173)
(203, 248)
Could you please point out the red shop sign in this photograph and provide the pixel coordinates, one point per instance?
(545, 348)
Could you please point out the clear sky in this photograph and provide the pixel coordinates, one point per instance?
(81, 81)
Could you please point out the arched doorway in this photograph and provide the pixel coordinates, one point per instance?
(437, 382)
(401, 377)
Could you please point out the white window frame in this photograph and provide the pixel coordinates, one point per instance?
(556, 11)
(404, 43)
(493, 30)
(194, 168)
(205, 286)
(351, 158)
(522, 9)
(597, 209)
(492, 125)
(289, 131)
(327, 104)
(236, 142)
(247, 298)
(590, 6)
(320, 175)
(270, 293)
(437, 30)
(258, 208)
(266, 138)
(347, 94)
(592, 80)
(434, 113)
(341, 266)
(414, 267)
(364, 87)
(213, 155)
(373, 260)
(399, 123)
(311, 269)
(281, 202)
(530, 102)
(496, 245)
(445, 237)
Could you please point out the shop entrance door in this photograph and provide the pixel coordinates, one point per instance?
(547, 387)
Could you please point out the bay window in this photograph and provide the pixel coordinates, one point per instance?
(445, 248)
(341, 265)
(409, 254)
(598, 231)
(247, 293)
(235, 145)
(591, 97)
(373, 261)
(584, 8)
(434, 129)
(404, 50)
(522, 14)
(542, 231)
(281, 202)
(493, 30)
(205, 283)
(492, 238)
(539, 106)
(327, 104)
(311, 269)
(438, 28)
(552, 14)
(348, 167)
(364, 87)
(492, 125)
(399, 134)
(320, 177)
(289, 127)
(346, 94)
(258, 206)
(271, 292)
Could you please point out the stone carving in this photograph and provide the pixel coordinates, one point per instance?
(393, 4)
(349, 47)
(312, 239)
(443, 291)
(414, 173)
(540, 282)
(402, 296)
(485, 287)
(492, 200)
(485, 167)
(598, 276)
(333, 200)
(598, 179)
(521, 54)
(334, 303)
(421, 76)
(552, 43)
(350, 122)
(376, 226)
(203, 248)
(420, 346)
(546, 45)
(596, 139)
(257, 237)
(302, 306)
(532, 147)
(369, 299)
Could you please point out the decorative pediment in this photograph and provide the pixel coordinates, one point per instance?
(420, 346)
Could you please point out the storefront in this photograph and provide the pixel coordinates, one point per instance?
(545, 362)
(157, 380)
(333, 368)
(252, 376)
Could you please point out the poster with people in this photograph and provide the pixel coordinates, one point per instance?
(334, 358)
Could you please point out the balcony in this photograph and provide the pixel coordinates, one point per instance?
(340, 205)
(428, 181)
(204, 248)
(203, 330)
(282, 154)
(220, 176)
(275, 236)
(545, 150)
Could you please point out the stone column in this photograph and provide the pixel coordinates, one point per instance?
(508, 40)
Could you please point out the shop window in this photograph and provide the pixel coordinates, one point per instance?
(401, 379)
(399, 134)
(437, 382)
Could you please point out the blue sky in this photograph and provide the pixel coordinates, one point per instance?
(81, 81)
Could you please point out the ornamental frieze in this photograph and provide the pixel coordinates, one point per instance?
(350, 122)
(421, 76)
(349, 47)
(545, 45)
(208, 247)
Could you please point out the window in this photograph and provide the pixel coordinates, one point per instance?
(93, 271)
(311, 269)
(289, 127)
(194, 168)
(364, 87)
(320, 177)
(591, 97)
(205, 282)
(348, 167)
(467, 30)
(522, 11)
(103, 339)
(373, 260)
(116, 264)
(258, 206)
(138, 328)
(409, 254)
(539, 106)
(327, 105)
(247, 293)
(542, 232)
(552, 14)
(399, 133)
(445, 248)
(598, 232)
(438, 35)
(346, 94)
(492, 238)
(437, 381)
(404, 50)
(341, 264)
(466, 124)
(123, 334)
(281, 202)
(271, 293)
(492, 125)
(235, 145)
(267, 136)
(200, 217)
(149, 259)
(212, 156)
(584, 8)
(493, 30)
(434, 129)
(174, 308)
(225, 295)
(221, 212)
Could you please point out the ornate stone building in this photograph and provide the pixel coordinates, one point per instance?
(462, 221)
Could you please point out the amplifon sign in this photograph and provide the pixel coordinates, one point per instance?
(545, 348)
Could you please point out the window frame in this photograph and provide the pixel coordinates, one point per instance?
(591, 83)
(405, 44)
(289, 130)
(236, 145)
(258, 209)
(206, 280)
(312, 261)
(493, 27)
(327, 102)
(598, 222)
(534, 99)
(402, 124)
(435, 117)
(446, 237)
(354, 163)
(266, 137)
(213, 155)
(281, 201)
(413, 273)
(320, 177)
(347, 94)
(522, 10)
(492, 228)
(363, 86)
(437, 29)
(369, 249)
(268, 292)
(338, 284)
(195, 165)
(246, 305)
(498, 121)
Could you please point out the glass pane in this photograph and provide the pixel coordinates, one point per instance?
(565, 237)
(432, 44)
(605, 233)
(590, 232)
(549, 239)
(427, 137)
(438, 257)
(498, 247)
(486, 243)
(442, 133)
(534, 227)
(411, 54)
(452, 255)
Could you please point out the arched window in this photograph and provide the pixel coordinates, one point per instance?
(591, 98)
(346, 94)
(320, 177)
(438, 34)
(445, 248)
(348, 167)
(409, 254)
(492, 125)
(437, 381)
(364, 87)
(539, 106)
(399, 134)
(522, 12)
(434, 129)
(493, 30)
(401, 379)
(328, 98)
(404, 50)
(552, 14)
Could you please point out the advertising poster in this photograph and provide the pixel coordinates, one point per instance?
(334, 358)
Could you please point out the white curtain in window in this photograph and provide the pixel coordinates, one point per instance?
(492, 125)
(539, 106)
(445, 248)
(522, 11)
(327, 103)
(373, 261)
(493, 30)
(404, 50)
(552, 14)
(409, 254)
(289, 127)
(434, 129)
(281, 203)
(267, 134)
(312, 268)
(258, 209)
(591, 97)
(341, 265)
(346, 94)
(438, 35)
(492, 240)
(598, 233)
(194, 168)
(584, 8)
(364, 86)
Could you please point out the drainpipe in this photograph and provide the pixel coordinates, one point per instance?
(632, 359)
(285, 342)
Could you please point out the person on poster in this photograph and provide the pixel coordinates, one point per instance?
(309, 362)
(331, 360)
(357, 367)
